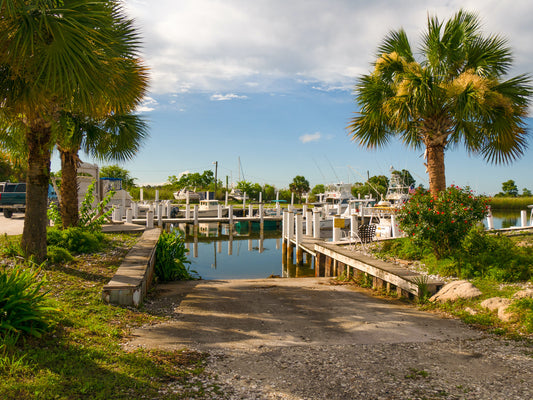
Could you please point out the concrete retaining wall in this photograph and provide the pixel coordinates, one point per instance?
(134, 276)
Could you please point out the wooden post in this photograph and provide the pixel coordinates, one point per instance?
(395, 230)
(523, 218)
(157, 195)
(354, 225)
(187, 211)
(290, 232)
(320, 267)
(261, 218)
(226, 202)
(292, 199)
(278, 209)
(141, 195)
(219, 211)
(129, 215)
(243, 202)
(135, 209)
(250, 210)
(230, 216)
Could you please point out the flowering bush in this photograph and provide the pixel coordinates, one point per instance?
(441, 222)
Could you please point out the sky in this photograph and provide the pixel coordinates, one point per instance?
(270, 83)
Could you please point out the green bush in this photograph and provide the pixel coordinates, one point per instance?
(403, 248)
(171, 257)
(524, 310)
(441, 222)
(23, 305)
(494, 256)
(58, 255)
(76, 240)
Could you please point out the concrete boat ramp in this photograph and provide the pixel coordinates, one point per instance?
(247, 314)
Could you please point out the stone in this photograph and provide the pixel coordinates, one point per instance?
(500, 304)
(456, 290)
(522, 294)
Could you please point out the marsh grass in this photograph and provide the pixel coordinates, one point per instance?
(82, 355)
(511, 203)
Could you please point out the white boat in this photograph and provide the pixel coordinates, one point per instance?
(209, 208)
(236, 194)
(183, 193)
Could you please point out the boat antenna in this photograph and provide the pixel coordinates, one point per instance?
(333, 169)
(319, 170)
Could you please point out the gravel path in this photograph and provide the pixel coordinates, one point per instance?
(280, 352)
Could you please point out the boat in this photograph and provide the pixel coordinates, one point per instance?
(236, 194)
(183, 193)
(209, 208)
(268, 225)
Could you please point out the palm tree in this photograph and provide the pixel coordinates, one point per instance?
(116, 138)
(453, 94)
(60, 56)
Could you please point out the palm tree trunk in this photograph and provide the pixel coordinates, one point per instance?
(435, 166)
(34, 233)
(69, 189)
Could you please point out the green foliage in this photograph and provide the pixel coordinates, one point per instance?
(299, 185)
(441, 222)
(76, 240)
(252, 190)
(57, 255)
(375, 186)
(493, 256)
(510, 203)
(23, 305)
(195, 181)
(509, 189)
(171, 257)
(269, 192)
(523, 309)
(92, 219)
(403, 248)
(54, 215)
(114, 171)
(10, 247)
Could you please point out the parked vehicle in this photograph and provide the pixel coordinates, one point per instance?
(13, 197)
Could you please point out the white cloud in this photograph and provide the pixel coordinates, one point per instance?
(147, 105)
(223, 46)
(310, 137)
(228, 96)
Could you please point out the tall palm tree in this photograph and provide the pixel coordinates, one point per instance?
(56, 56)
(117, 138)
(452, 94)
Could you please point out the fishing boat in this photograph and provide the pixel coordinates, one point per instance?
(209, 208)
(183, 194)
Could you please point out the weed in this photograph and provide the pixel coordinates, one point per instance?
(171, 257)
(417, 374)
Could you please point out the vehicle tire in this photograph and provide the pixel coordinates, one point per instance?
(8, 213)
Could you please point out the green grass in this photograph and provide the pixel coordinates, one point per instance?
(82, 357)
(511, 203)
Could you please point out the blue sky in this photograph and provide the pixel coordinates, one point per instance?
(270, 82)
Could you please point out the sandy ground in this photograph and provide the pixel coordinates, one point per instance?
(13, 225)
(308, 339)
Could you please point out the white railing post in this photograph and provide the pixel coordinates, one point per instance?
(159, 214)
(316, 223)
(309, 223)
(285, 225)
(230, 216)
(150, 219)
(141, 195)
(250, 210)
(290, 232)
(195, 214)
(299, 229)
(523, 218)
(219, 211)
(338, 223)
(129, 215)
(187, 211)
(135, 208)
(157, 195)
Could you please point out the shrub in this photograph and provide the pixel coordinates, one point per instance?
(76, 240)
(441, 222)
(493, 256)
(58, 255)
(23, 305)
(171, 257)
(92, 219)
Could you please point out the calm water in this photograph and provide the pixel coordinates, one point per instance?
(506, 218)
(242, 255)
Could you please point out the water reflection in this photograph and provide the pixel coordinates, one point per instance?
(218, 252)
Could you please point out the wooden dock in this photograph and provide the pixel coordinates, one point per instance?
(335, 259)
